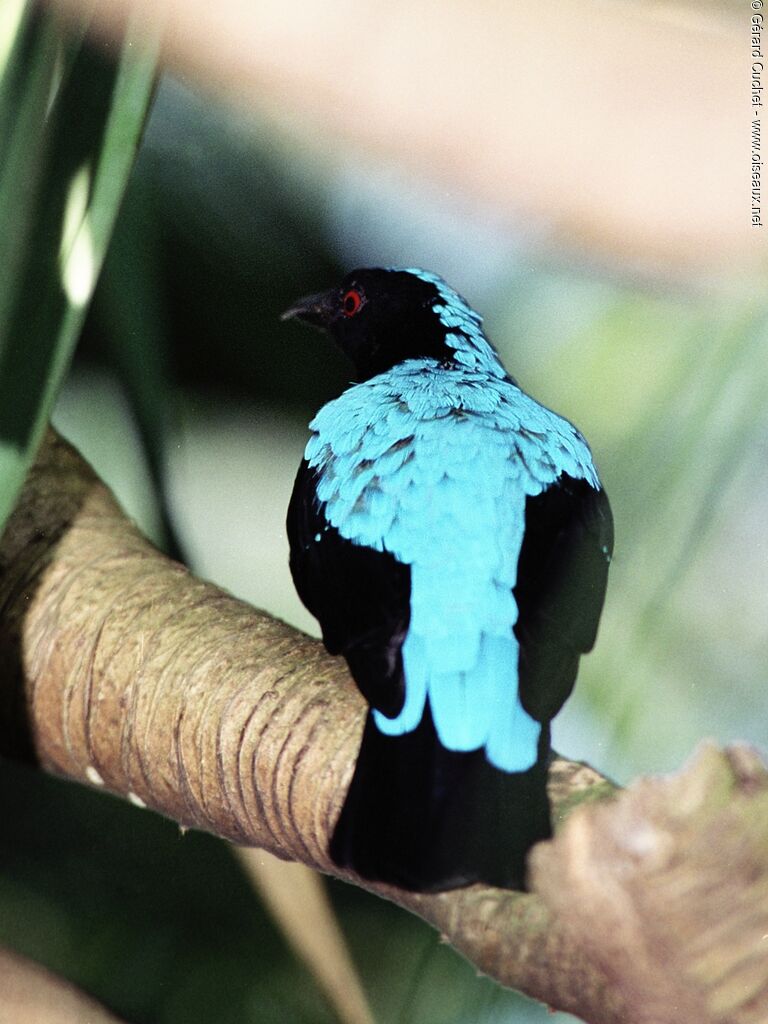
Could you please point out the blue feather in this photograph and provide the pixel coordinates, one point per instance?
(446, 496)
(452, 538)
(435, 465)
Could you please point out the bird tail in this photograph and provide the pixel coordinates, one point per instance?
(426, 818)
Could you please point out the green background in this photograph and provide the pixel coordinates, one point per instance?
(191, 399)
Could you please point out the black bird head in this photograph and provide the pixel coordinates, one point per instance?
(382, 317)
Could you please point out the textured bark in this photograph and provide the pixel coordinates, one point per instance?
(666, 890)
(121, 670)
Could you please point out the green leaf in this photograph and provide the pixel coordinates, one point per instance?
(139, 348)
(71, 120)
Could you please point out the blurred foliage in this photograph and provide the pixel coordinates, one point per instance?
(191, 399)
(164, 928)
(70, 121)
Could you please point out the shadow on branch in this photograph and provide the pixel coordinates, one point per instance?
(122, 671)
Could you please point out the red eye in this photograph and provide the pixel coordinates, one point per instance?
(351, 302)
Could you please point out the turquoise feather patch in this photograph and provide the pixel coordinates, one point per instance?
(434, 464)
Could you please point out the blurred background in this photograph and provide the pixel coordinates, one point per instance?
(622, 284)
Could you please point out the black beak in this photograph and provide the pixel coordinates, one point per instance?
(317, 310)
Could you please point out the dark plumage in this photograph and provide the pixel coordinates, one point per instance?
(452, 538)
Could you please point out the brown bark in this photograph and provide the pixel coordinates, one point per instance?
(119, 669)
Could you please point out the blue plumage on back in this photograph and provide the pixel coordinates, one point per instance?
(434, 466)
(435, 461)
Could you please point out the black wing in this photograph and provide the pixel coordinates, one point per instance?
(360, 597)
(561, 580)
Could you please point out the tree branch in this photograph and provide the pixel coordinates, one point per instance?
(121, 670)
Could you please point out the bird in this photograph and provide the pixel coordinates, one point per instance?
(452, 538)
